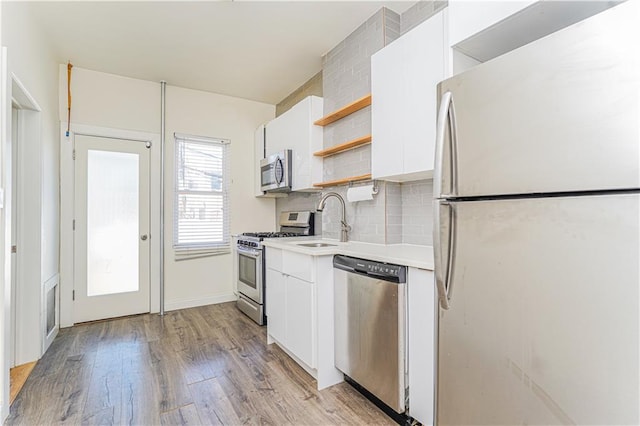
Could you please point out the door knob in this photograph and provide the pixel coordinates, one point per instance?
(143, 237)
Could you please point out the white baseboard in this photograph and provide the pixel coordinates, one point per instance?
(201, 301)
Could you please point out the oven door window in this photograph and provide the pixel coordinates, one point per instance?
(247, 268)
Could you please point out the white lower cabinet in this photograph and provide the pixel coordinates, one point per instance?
(276, 290)
(299, 319)
(421, 306)
(299, 291)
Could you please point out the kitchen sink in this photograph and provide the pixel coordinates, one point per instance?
(316, 245)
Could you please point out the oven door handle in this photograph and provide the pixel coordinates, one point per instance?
(250, 252)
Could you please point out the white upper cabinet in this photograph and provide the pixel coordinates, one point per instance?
(485, 29)
(404, 79)
(258, 154)
(468, 17)
(295, 130)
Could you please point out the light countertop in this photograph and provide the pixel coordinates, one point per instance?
(402, 254)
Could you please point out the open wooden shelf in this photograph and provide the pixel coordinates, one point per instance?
(354, 143)
(343, 181)
(354, 106)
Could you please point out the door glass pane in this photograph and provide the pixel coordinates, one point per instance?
(247, 270)
(112, 222)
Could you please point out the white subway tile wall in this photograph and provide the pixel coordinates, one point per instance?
(419, 12)
(392, 25)
(399, 213)
(366, 218)
(312, 87)
(347, 77)
(417, 212)
(394, 213)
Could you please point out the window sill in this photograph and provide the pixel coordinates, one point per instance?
(188, 254)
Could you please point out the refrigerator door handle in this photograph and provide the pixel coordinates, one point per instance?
(446, 117)
(443, 267)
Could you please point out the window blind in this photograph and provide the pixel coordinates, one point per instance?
(201, 204)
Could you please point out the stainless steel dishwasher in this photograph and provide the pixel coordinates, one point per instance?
(370, 327)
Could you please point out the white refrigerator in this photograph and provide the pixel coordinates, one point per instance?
(537, 235)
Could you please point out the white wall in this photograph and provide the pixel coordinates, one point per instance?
(107, 100)
(31, 61)
(206, 114)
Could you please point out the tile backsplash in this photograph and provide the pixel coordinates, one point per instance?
(417, 212)
(398, 213)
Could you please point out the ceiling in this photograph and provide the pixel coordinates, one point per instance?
(258, 50)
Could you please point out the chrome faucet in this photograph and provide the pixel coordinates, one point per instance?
(344, 234)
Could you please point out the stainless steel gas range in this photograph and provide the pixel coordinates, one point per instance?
(251, 261)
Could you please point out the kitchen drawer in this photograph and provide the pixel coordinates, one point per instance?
(298, 265)
(273, 259)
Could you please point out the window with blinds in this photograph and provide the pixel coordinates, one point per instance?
(201, 205)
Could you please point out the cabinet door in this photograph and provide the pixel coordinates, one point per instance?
(276, 305)
(294, 130)
(421, 305)
(387, 111)
(423, 68)
(298, 265)
(258, 154)
(299, 320)
(404, 79)
(273, 258)
(467, 18)
(276, 135)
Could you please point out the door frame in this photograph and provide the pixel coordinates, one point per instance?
(67, 207)
(27, 293)
(20, 310)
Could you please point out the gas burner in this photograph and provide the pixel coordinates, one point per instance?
(255, 234)
(271, 234)
(285, 234)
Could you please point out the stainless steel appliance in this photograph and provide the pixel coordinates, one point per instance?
(275, 172)
(251, 266)
(370, 327)
(536, 231)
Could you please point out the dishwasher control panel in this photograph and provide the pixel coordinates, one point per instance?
(380, 270)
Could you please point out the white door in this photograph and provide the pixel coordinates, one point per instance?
(111, 241)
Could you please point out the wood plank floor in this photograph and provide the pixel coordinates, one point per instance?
(18, 376)
(206, 365)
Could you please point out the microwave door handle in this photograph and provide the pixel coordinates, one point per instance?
(279, 170)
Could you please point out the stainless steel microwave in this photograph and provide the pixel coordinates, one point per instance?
(275, 172)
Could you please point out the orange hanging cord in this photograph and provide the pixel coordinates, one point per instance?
(69, 66)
